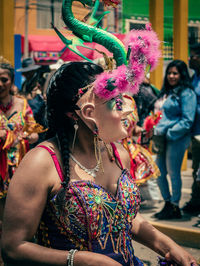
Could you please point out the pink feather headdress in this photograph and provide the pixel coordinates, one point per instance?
(143, 56)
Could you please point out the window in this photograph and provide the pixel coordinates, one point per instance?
(194, 32)
(136, 24)
(49, 11)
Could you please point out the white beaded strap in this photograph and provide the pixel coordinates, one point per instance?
(70, 257)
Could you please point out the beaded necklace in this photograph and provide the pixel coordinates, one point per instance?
(91, 172)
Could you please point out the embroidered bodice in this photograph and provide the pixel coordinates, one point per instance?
(93, 219)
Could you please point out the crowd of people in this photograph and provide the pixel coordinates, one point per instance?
(75, 150)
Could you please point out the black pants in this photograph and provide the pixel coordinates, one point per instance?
(195, 165)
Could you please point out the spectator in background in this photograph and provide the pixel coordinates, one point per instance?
(145, 99)
(193, 206)
(177, 101)
(34, 96)
(29, 71)
(18, 129)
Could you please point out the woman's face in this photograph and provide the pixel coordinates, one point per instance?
(111, 118)
(5, 83)
(173, 76)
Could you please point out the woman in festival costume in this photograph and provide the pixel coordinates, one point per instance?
(18, 129)
(86, 199)
(74, 191)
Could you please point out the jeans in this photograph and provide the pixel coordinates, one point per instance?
(170, 163)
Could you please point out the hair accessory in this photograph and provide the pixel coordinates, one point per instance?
(84, 90)
(139, 55)
(70, 257)
(75, 132)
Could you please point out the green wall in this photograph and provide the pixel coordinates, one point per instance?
(140, 8)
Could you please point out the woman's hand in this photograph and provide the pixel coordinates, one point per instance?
(32, 138)
(149, 236)
(181, 257)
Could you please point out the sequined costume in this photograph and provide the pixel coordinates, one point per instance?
(12, 151)
(92, 219)
(143, 166)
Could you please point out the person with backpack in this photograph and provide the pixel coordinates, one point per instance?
(177, 102)
(193, 205)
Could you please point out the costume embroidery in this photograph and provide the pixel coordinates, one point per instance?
(93, 219)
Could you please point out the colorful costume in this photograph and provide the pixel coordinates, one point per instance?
(142, 166)
(92, 218)
(12, 151)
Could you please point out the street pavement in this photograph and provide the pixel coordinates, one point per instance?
(184, 231)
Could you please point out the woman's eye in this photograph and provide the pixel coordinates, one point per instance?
(4, 80)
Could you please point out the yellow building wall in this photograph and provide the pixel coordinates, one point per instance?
(78, 10)
(6, 30)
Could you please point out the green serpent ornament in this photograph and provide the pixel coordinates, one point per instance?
(90, 32)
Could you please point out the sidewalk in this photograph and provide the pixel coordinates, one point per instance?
(182, 230)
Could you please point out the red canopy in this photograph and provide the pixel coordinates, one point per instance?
(41, 43)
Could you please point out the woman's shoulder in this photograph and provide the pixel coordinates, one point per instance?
(187, 92)
(39, 158)
(19, 101)
(19, 98)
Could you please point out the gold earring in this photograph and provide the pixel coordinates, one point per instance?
(109, 152)
(97, 149)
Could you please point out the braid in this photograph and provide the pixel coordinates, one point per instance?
(65, 152)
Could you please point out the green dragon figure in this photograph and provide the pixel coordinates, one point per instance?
(90, 32)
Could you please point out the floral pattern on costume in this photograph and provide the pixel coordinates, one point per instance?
(93, 219)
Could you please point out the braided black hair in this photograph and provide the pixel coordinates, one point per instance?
(10, 68)
(61, 98)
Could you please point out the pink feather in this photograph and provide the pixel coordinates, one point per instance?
(145, 51)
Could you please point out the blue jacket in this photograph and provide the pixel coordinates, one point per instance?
(196, 125)
(178, 113)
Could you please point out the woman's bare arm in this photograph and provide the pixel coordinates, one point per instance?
(149, 236)
(28, 191)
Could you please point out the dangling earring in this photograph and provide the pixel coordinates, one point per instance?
(97, 148)
(75, 131)
(110, 152)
